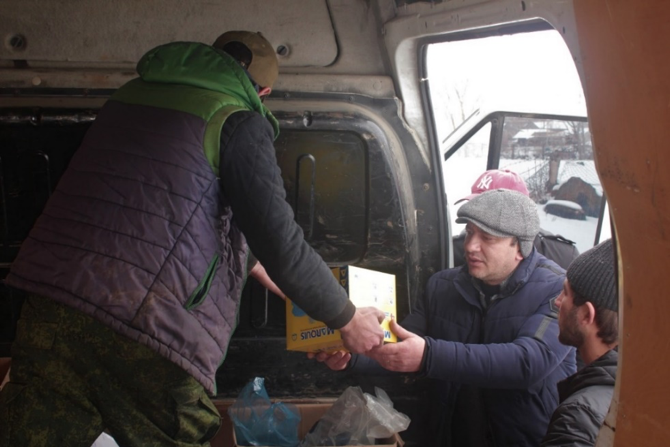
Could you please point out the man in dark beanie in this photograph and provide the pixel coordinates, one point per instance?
(588, 320)
(486, 333)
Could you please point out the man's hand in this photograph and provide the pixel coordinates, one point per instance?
(404, 356)
(363, 332)
(258, 272)
(337, 361)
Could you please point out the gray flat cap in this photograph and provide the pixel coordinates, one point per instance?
(503, 213)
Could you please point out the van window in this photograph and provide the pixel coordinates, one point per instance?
(325, 176)
(516, 102)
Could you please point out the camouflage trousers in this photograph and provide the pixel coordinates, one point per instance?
(73, 377)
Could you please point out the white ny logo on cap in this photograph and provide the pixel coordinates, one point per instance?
(485, 182)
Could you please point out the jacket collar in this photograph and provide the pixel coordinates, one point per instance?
(601, 372)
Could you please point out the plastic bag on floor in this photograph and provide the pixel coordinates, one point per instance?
(258, 421)
(104, 440)
(357, 418)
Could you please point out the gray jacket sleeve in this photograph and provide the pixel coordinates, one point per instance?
(573, 425)
(253, 186)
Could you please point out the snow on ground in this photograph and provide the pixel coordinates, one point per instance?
(565, 203)
(584, 169)
(582, 232)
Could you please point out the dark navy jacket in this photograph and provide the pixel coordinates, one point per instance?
(509, 353)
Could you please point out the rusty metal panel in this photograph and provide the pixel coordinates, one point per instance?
(105, 33)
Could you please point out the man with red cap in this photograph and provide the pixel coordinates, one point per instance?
(555, 247)
(485, 334)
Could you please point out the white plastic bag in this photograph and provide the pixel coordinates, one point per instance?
(357, 418)
(104, 440)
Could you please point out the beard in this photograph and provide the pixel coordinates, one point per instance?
(569, 330)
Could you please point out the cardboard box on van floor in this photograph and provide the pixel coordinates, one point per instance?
(311, 410)
(365, 288)
(311, 413)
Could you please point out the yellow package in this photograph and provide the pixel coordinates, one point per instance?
(365, 288)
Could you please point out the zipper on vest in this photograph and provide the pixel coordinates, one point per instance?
(199, 294)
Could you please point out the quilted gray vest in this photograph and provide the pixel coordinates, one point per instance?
(138, 235)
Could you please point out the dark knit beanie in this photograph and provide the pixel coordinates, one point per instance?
(503, 213)
(592, 275)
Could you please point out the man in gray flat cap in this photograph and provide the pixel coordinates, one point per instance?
(486, 332)
(553, 246)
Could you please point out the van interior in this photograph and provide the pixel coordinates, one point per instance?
(388, 111)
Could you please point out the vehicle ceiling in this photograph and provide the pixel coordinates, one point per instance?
(369, 47)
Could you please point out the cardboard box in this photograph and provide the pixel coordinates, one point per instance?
(365, 288)
(311, 410)
(311, 413)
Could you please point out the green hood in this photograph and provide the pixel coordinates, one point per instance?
(202, 66)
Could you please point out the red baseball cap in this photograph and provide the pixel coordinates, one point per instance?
(497, 179)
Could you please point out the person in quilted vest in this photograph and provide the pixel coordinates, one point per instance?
(135, 269)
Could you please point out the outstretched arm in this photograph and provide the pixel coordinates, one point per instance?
(534, 354)
(253, 186)
(258, 272)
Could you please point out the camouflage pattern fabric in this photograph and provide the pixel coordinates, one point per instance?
(73, 377)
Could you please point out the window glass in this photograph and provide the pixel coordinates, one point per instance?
(524, 73)
(555, 159)
(471, 158)
(325, 176)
